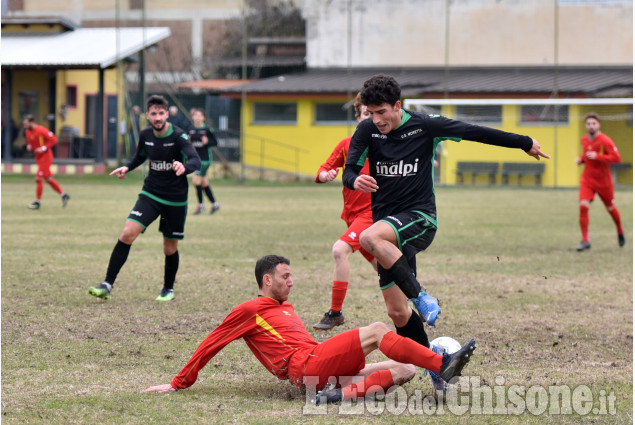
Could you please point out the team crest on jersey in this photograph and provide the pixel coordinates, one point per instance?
(397, 169)
(286, 312)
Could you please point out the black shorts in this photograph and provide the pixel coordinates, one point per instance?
(415, 232)
(172, 223)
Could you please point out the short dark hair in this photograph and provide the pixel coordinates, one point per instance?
(380, 89)
(593, 115)
(29, 118)
(267, 265)
(157, 100)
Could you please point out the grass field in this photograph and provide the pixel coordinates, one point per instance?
(503, 265)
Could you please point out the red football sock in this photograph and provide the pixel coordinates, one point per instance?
(584, 222)
(405, 350)
(338, 293)
(39, 188)
(381, 378)
(615, 215)
(56, 187)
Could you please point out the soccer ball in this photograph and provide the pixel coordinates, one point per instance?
(446, 344)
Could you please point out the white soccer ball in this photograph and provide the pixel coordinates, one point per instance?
(447, 344)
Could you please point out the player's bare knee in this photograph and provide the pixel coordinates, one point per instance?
(367, 240)
(341, 251)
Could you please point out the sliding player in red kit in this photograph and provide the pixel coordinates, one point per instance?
(40, 140)
(358, 217)
(598, 153)
(279, 340)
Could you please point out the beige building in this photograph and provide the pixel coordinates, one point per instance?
(416, 33)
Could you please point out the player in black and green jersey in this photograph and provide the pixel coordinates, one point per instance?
(203, 139)
(400, 148)
(164, 194)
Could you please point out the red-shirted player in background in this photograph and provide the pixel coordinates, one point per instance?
(40, 140)
(598, 152)
(358, 217)
(277, 337)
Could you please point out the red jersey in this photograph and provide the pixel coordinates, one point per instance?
(597, 171)
(355, 202)
(272, 330)
(38, 137)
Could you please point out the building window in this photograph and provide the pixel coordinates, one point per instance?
(28, 103)
(71, 96)
(275, 113)
(332, 113)
(544, 114)
(136, 4)
(481, 114)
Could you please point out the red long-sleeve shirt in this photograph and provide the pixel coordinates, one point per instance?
(272, 330)
(355, 202)
(597, 171)
(38, 137)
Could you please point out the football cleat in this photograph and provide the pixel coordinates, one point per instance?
(65, 198)
(199, 209)
(453, 364)
(215, 207)
(330, 320)
(332, 395)
(35, 205)
(439, 384)
(166, 295)
(102, 291)
(621, 241)
(583, 245)
(428, 307)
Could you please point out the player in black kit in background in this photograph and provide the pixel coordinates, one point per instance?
(164, 194)
(400, 148)
(203, 139)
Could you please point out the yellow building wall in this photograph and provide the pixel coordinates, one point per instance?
(264, 144)
(87, 83)
(273, 146)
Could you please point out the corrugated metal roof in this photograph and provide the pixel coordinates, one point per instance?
(81, 48)
(417, 82)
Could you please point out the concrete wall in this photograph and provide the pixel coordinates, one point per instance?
(479, 32)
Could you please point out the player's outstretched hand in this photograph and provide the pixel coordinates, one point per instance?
(120, 172)
(536, 152)
(165, 388)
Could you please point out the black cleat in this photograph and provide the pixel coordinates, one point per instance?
(453, 363)
(621, 240)
(333, 395)
(330, 320)
(583, 245)
(35, 205)
(65, 198)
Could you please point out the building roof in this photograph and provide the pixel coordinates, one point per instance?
(589, 82)
(81, 48)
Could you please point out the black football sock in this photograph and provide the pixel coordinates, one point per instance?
(210, 195)
(402, 275)
(414, 330)
(199, 193)
(117, 260)
(171, 267)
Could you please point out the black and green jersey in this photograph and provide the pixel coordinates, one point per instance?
(402, 161)
(196, 137)
(162, 182)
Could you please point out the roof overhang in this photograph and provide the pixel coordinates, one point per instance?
(83, 48)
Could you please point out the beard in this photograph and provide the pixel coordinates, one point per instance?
(159, 128)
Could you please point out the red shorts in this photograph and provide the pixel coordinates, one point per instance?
(44, 166)
(355, 228)
(341, 355)
(588, 191)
